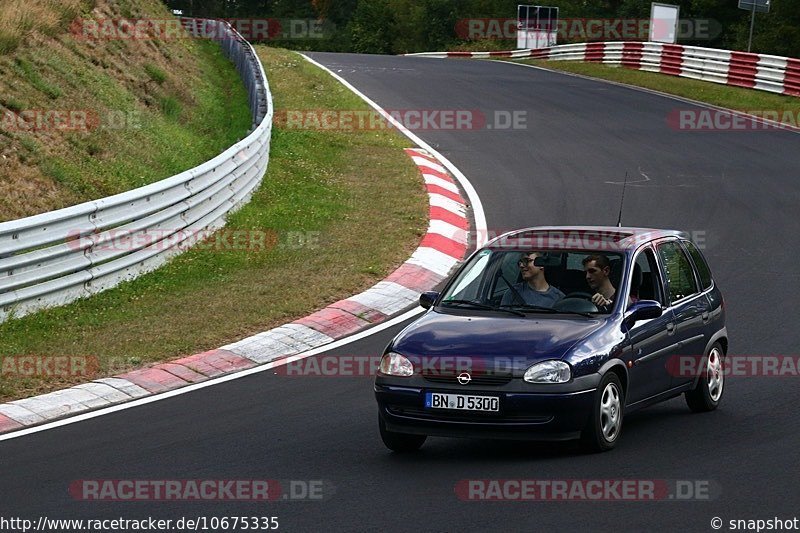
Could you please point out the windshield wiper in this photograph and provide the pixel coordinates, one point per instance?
(478, 305)
(587, 314)
(531, 307)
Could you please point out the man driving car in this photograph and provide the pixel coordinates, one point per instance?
(598, 269)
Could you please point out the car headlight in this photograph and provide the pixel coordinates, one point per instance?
(394, 364)
(548, 372)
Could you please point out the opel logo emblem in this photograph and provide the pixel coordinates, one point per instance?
(464, 378)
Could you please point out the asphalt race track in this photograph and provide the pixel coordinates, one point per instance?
(738, 192)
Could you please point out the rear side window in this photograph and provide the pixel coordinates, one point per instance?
(703, 272)
(680, 277)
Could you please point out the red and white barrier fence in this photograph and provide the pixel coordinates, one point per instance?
(754, 71)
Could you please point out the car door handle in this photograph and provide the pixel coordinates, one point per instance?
(670, 327)
(705, 316)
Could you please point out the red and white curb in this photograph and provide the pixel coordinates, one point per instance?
(441, 249)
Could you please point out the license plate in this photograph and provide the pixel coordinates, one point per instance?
(438, 400)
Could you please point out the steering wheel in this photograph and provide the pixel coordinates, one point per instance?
(584, 295)
(580, 302)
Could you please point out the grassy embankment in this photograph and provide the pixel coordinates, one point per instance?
(342, 209)
(153, 107)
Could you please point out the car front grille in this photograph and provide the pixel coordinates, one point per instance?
(482, 379)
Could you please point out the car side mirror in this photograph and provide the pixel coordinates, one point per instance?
(426, 299)
(642, 310)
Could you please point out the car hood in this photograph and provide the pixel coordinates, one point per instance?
(532, 338)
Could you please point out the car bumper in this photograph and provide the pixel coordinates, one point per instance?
(522, 415)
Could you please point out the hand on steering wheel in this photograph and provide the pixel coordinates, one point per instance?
(601, 301)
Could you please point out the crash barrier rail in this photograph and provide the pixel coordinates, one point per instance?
(57, 257)
(755, 71)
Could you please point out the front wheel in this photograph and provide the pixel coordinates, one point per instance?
(708, 392)
(605, 424)
(400, 442)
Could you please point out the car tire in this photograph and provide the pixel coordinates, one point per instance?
(710, 385)
(605, 423)
(400, 442)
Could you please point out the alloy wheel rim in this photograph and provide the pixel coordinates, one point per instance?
(610, 412)
(715, 377)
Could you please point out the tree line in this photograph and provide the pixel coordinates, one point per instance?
(402, 26)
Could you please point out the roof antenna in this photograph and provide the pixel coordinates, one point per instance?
(622, 200)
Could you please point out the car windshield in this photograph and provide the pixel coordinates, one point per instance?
(537, 281)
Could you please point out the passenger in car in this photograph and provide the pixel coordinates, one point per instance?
(598, 269)
(534, 288)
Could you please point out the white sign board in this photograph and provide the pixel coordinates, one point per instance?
(536, 39)
(537, 26)
(664, 23)
(759, 6)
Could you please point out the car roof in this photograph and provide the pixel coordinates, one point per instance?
(581, 237)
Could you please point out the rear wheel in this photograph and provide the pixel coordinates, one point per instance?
(605, 425)
(708, 393)
(400, 442)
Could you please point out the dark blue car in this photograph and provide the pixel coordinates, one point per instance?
(554, 333)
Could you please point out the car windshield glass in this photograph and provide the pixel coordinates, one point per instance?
(578, 282)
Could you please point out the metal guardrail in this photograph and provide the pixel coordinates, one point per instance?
(54, 258)
(755, 71)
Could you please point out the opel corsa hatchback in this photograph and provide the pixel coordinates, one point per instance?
(555, 334)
